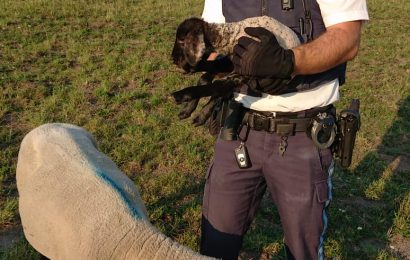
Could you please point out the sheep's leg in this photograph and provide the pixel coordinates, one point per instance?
(205, 112)
(219, 88)
(188, 109)
(221, 65)
(190, 106)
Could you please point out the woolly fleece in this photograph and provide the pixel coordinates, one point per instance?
(228, 34)
(76, 204)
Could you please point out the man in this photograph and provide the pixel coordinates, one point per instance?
(281, 156)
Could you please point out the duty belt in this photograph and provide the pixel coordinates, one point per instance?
(281, 126)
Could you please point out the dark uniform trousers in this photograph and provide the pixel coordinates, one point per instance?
(299, 183)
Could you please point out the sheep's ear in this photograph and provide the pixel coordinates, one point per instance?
(177, 51)
(194, 47)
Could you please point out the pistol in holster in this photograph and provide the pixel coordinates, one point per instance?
(348, 124)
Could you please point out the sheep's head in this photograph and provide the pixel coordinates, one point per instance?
(191, 45)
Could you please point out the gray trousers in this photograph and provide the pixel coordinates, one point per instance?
(299, 182)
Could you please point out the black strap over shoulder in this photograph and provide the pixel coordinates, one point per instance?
(307, 26)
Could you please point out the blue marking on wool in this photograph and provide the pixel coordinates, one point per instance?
(135, 212)
(320, 253)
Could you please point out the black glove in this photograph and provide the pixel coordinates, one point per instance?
(264, 59)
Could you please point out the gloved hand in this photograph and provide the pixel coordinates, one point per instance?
(264, 59)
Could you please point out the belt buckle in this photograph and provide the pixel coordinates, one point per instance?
(260, 122)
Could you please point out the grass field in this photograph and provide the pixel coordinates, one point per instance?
(105, 66)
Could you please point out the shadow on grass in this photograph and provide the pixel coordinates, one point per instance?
(173, 207)
(368, 209)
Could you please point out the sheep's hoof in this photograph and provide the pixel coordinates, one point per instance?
(188, 109)
(183, 115)
(180, 97)
(199, 120)
(202, 117)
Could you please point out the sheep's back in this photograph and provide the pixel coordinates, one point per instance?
(286, 37)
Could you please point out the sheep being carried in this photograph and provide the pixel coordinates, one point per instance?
(197, 39)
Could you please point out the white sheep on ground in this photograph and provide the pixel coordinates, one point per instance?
(75, 203)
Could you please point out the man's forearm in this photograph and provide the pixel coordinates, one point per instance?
(338, 44)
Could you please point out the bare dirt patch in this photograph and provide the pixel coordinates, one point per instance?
(401, 246)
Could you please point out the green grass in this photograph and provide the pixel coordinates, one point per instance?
(105, 65)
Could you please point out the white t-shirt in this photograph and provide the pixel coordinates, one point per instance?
(333, 12)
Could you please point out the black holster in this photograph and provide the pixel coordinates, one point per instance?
(231, 119)
(348, 124)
